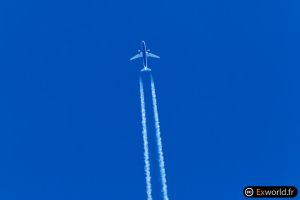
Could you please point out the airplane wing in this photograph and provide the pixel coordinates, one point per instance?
(136, 56)
(152, 55)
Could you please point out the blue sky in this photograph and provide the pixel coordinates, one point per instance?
(227, 85)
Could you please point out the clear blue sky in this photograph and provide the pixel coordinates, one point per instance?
(227, 85)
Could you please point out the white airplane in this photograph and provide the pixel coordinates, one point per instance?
(144, 53)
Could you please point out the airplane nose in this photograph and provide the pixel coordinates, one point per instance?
(143, 44)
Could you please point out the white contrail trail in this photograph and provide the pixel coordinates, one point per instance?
(159, 143)
(145, 139)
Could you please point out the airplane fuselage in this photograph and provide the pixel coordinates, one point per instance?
(144, 53)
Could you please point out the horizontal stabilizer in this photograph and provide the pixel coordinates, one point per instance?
(146, 69)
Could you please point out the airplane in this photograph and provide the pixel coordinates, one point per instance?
(144, 53)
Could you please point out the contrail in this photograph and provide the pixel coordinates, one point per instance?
(159, 143)
(145, 139)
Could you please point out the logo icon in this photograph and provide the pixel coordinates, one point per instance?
(248, 192)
